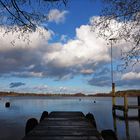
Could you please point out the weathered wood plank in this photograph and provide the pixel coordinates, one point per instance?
(63, 138)
(65, 123)
(130, 118)
(133, 107)
(64, 126)
(121, 107)
(62, 118)
(65, 114)
(64, 132)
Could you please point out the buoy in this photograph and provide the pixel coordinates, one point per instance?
(109, 135)
(44, 115)
(7, 104)
(91, 118)
(31, 123)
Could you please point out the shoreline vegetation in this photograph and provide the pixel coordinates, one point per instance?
(131, 93)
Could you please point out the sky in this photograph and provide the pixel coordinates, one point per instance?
(67, 58)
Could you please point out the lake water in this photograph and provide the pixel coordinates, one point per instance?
(13, 119)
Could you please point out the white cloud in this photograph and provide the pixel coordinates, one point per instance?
(86, 71)
(113, 24)
(114, 30)
(85, 54)
(57, 16)
(84, 50)
(19, 40)
(131, 76)
(36, 74)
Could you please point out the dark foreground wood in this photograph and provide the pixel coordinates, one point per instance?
(64, 126)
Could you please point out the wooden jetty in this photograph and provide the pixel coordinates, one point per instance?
(64, 126)
(125, 107)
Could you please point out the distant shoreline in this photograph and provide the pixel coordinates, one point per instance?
(118, 94)
(51, 94)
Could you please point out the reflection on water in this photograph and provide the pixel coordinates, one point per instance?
(126, 119)
(13, 119)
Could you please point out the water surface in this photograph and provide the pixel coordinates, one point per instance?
(13, 119)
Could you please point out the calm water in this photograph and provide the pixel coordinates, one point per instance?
(13, 119)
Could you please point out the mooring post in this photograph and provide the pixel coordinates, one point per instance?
(7, 104)
(138, 105)
(127, 127)
(115, 122)
(125, 104)
(113, 95)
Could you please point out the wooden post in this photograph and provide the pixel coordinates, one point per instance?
(115, 122)
(127, 128)
(139, 105)
(113, 95)
(125, 103)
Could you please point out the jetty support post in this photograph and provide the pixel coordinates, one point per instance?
(127, 128)
(113, 96)
(115, 122)
(138, 105)
(125, 105)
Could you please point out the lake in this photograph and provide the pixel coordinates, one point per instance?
(14, 118)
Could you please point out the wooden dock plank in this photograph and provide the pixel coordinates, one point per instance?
(64, 132)
(121, 107)
(71, 118)
(130, 118)
(63, 138)
(65, 114)
(64, 126)
(65, 123)
(133, 107)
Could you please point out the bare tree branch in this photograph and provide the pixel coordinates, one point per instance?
(25, 16)
(125, 13)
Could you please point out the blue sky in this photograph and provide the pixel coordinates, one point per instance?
(69, 58)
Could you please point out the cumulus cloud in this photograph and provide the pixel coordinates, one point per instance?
(57, 16)
(85, 54)
(15, 39)
(131, 76)
(86, 71)
(81, 55)
(86, 49)
(23, 59)
(16, 84)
